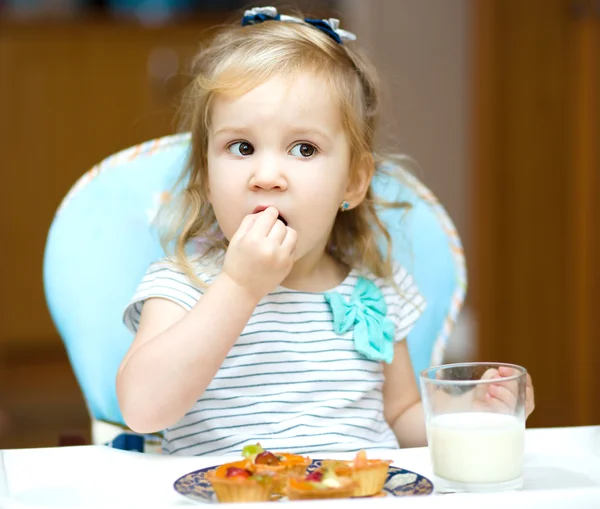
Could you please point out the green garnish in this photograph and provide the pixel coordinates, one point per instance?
(251, 451)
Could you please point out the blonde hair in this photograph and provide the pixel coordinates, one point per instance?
(239, 59)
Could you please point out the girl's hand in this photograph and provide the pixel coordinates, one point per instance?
(260, 253)
(503, 395)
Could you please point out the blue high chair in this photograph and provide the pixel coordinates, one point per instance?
(102, 240)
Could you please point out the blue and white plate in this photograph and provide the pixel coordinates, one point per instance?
(195, 486)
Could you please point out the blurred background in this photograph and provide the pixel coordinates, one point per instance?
(497, 100)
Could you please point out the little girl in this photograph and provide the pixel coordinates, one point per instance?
(286, 325)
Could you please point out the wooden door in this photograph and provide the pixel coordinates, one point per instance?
(71, 94)
(584, 240)
(536, 281)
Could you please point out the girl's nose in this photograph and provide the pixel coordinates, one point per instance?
(267, 176)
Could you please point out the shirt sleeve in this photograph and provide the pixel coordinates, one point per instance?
(405, 304)
(164, 280)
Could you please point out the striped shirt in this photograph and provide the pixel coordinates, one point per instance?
(290, 381)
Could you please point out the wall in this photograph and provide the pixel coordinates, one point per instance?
(422, 49)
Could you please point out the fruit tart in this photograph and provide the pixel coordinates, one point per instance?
(319, 484)
(369, 475)
(280, 463)
(239, 482)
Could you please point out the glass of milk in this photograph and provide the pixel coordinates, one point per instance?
(475, 425)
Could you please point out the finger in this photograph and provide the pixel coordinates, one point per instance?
(244, 227)
(264, 222)
(529, 382)
(497, 406)
(507, 371)
(503, 395)
(288, 245)
(529, 397)
(513, 385)
(529, 405)
(482, 389)
(490, 374)
(278, 232)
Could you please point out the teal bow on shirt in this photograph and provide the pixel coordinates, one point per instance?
(367, 314)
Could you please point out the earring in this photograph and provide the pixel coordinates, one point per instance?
(344, 206)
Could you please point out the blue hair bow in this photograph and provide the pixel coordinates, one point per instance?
(330, 27)
(325, 27)
(259, 14)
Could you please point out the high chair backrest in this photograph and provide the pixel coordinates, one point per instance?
(102, 240)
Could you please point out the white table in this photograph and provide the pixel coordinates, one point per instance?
(562, 470)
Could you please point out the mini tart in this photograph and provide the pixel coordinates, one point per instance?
(278, 474)
(235, 489)
(369, 475)
(289, 464)
(298, 488)
(294, 464)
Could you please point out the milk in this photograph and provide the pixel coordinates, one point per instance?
(477, 447)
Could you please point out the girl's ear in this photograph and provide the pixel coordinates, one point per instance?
(360, 180)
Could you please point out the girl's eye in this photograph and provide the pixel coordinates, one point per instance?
(241, 148)
(305, 150)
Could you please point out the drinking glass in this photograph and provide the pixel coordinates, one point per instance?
(475, 420)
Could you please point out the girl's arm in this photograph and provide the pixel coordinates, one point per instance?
(402, 405)
(176, 354)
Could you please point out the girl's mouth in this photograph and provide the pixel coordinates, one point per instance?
(260, 208)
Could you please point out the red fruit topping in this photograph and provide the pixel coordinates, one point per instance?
(266, 458)
(242, 473)
(316, 476)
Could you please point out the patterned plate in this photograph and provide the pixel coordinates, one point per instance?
(194, 486)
